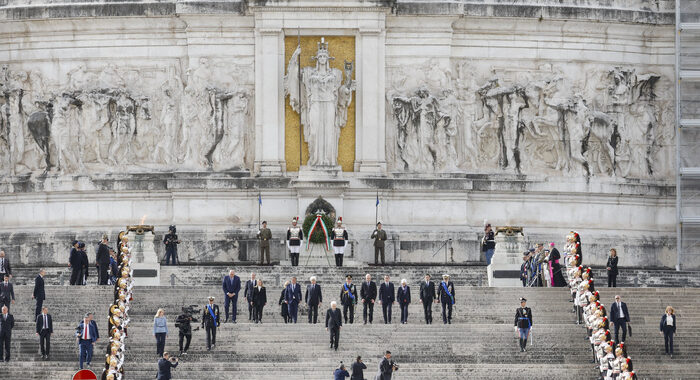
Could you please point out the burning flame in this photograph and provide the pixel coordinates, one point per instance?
(143, 220)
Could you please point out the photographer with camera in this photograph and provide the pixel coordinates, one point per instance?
(340, 373)
(184, 324)
(386, 367)
(164, 366)
(358, 368)
(171, 241)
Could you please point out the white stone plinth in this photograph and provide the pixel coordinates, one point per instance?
(505, 264)
(144, 259)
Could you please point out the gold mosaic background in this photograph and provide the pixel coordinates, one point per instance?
(342, 48)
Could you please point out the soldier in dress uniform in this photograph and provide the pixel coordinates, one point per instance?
(339, 236)
(348, 297)
(210, 321)
(523, 323)
(295, 236)
(264, 235)
(379, 236)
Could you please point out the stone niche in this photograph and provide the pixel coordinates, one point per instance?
(552, 120)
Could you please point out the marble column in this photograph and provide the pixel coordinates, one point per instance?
(269, 105)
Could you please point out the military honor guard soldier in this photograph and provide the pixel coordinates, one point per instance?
(295, 236)
(446, 294)
(379, 236)
(264, 235)
(339, 235)
(523, 323)
(348, 298)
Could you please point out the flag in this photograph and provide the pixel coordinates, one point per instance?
(259, 199)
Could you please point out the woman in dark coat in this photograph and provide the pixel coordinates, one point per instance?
(612, 268)
(668, 327)
(284, 311)
(556, 275)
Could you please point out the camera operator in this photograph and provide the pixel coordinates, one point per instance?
(386, 367)
(358, 368)
(184, 323)
(171, 241)
(164, 366)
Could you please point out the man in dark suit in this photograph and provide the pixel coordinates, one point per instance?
(313, 298)
(368, 294)
(386, 298)
(427, 296)
(84, 264)
(74, 263)
(39, 295)
(386, 367)
(164, 366)
(210, 321)
(292, 299)
(403, 295)
(348, 298)
(87, 335)
(44, 330)
(358, 368)
(259, 300)
(232, 286)
(334, 320)
(5, 267)
(446, 294)
(7, 323)
(7, 292)
(620, 317)
(248, 294)
(102, 261)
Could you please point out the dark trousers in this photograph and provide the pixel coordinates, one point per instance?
(45, 342)
(171, 254)
(349, 313)
(313, 313)
(258, 312)
(620, 324)
(378, 252)
(251, 310)
(612, 280)
(446, 311)
(211, 335)
(339, 260)
(160, 343)
(37, 310)
(85, 351)
(5, 340)
(233, 301)
(76, 276)
(102, 273)
(386, 311)
(368, 309)
(187, 345)
(428, 311)
(404, 312)
(294, 257)
(264, 254)
(668, 339)
(293, 308)
(335, 336)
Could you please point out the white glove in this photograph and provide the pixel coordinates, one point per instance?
(515, 328)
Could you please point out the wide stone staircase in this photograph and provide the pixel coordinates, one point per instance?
(479, 344)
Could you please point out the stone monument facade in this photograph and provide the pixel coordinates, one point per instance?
(552, 120)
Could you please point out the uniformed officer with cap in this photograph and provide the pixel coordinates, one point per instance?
(210, 321)
(523, 323)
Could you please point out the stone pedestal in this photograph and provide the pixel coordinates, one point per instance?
(505, 265)
(144, 259)
(317, 256)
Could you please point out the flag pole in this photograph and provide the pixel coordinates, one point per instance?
(259, 207)
(299, 89)
(376, 210)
